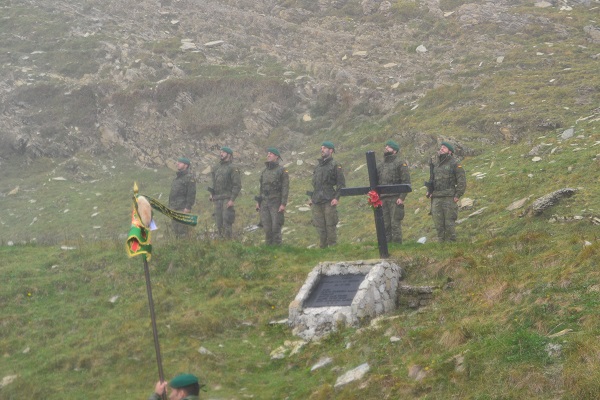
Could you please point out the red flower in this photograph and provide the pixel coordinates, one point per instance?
(374, 200)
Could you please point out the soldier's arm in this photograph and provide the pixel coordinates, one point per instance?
(236, 184)
(340, 181)
(461, 181)
(191, 194)
(285, 186)
(404, 177)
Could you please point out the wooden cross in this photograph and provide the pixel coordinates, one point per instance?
(380, 189)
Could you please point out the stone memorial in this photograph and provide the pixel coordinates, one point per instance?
(344, 293)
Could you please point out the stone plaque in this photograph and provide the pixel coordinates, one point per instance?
(334, 290)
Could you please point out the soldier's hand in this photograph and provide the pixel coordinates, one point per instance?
(282, 208)
(230, 203)
(334, 202)
(257, 207)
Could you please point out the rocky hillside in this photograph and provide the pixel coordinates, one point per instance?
(170, 77)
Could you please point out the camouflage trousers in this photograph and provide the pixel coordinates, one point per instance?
(271, 220)
(325, 219)
(224, 218)
(444, 212)
(393, 215)
(180, 230)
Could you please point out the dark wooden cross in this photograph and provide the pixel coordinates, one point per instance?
(380, 189)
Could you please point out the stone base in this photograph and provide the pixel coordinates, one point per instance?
(376, 295)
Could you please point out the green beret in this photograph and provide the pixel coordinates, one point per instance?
(184, 160)
(328, 144)
(183, 380)
(449, 146)
(393, 145)
(274, 151)
(227, 150)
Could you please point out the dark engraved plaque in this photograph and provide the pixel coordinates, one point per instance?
(334, 290)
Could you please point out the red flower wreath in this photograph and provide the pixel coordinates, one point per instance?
(374, 200)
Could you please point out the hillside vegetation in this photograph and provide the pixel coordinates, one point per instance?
(97, 96)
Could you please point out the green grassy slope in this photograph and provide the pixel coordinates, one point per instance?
(515, 283)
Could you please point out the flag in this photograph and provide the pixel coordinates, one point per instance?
(138, 240)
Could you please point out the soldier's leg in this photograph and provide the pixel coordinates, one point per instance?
(388, 211)
(180, 230)
(397, 222)
(277, 220)
(219, 216)
(265, 220)
(280, 219)
(228, 220)
(437, 214)
(450, 216)
(331, 220)
(318, 214)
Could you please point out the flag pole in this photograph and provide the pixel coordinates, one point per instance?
(161, 374)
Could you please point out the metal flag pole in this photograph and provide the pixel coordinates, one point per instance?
(161, 374)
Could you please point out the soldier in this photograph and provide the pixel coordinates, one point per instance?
(328, 180)
(393, 171)
(183, 194)
(449, 184)
(226, 187)
(183, 387)
(271, 202)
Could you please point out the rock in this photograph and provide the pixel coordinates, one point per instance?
(421, 49)
(547, 201)
(322, 363)
(416, 372)
(7, 380)
(465, 203)
(352, 375)
(517, 204)
(543, 4)
(567, 134)
(214, 43)
(203, 350)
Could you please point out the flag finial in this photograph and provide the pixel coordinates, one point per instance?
(135, 188)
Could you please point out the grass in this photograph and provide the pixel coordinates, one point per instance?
(515, 312)
(513, 284)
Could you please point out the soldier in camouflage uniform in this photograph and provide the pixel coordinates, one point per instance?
(226, 186)
(449, 184)
(271, 202)
(393, 171)
(183, 194)
(328, 180)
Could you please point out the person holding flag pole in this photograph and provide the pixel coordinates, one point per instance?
(138, 243)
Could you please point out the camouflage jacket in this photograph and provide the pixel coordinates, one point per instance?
(226, 181)
(275, 183)
(393, 171)
(328, 179)
(449, 179)
(183, 191)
